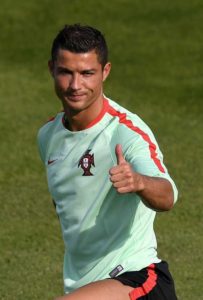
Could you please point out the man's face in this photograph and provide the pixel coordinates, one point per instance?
(78, 79)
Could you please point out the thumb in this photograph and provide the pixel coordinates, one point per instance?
(119, 154)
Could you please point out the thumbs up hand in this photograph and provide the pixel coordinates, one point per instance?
(122, 176)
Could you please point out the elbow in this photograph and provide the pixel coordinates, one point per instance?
(165, 204)
(169, 206)
(168, 203)
(169, 200)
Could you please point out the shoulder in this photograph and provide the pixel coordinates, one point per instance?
(124, 116)
(132, 133)
(49, 126)
(46, 132)
(130, 125)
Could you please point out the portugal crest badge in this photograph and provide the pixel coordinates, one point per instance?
(86, 162)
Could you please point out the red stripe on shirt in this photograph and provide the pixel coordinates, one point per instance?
(101, 114)
(147, 286)
(145, 136)
(52, 118)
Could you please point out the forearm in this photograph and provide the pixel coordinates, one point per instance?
(156, 192)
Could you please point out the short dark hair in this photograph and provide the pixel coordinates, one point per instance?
(81, 39)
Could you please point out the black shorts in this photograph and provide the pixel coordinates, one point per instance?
(152, 283)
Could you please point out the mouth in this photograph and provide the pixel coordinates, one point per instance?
(75, 97)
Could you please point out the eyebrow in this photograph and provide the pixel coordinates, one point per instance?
(60, 68)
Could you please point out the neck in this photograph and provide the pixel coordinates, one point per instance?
(79, 120)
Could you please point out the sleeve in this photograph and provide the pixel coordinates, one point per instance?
(146, 158)
(40, 145)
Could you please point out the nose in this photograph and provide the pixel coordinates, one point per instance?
(75, 82)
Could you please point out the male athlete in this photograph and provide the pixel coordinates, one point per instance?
(107, 179)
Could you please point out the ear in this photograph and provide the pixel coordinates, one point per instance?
(51, 67)
(106, 70)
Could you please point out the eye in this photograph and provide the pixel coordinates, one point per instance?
(88, 73)
(63, 71)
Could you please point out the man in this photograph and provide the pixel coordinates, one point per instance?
(106, 177)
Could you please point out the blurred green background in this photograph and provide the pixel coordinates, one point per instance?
(156, 49)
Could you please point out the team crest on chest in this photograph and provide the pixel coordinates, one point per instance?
(86, 162)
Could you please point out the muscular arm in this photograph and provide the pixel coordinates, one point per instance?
(156, 192)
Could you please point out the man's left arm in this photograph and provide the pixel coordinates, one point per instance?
(156, 192)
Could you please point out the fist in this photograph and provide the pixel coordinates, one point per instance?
(122, 176)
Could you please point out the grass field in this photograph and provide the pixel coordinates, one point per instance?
(156, 48)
